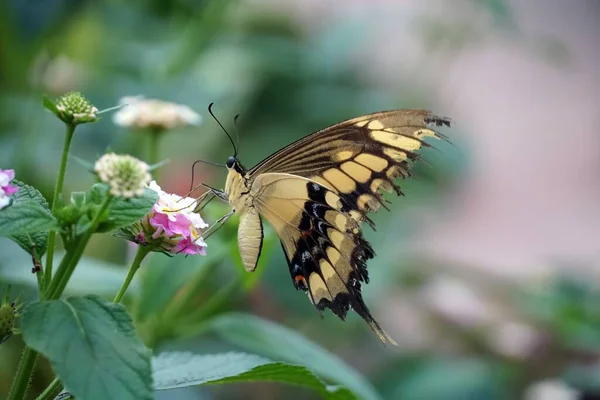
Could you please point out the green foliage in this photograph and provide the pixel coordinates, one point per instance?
(177, 369)
(279, 343)
(92, 346)
(443, 379)
(122, 212)
(77, 216)
(570, 308)
(28, 219)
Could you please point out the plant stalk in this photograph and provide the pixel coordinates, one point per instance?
(21, 382)
(57, 192)
(155, 135)
(142, 251)
(69, 262)
(49, 391)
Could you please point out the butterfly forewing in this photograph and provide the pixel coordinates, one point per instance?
(360, 157)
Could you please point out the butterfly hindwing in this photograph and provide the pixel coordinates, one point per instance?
(324, 246)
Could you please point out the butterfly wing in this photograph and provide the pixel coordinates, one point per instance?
(324, 247)
(315, 192)
(358, 157)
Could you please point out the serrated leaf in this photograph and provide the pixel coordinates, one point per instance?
(282, 344)
(34, 240)
(122, 212)
(181, 369)
(125, 212)
(92, 346)
(28, 193)
(49, 105)
(29, 242)
(26, 217)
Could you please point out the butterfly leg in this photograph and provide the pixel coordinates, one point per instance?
(199, 202)
(218, 224)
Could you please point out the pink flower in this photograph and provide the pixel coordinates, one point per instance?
(6, 189)
(173, 225)
(188, 246)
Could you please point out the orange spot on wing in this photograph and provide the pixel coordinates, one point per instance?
(299, 279)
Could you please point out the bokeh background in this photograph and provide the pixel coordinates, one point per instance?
(487, 271)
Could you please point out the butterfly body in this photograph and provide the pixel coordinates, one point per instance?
(317, 191)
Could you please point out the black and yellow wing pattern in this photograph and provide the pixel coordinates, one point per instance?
(316, 192)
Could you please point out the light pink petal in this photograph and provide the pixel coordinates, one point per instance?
(161, 221)
(10, 189)
(187, 246)
(180, 226)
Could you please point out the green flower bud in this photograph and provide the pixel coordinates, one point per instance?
(9, 311)
(69, 214)
(74, 108)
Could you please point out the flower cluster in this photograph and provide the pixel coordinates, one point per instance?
(125, 175)
(172, 225)
(140, 113)
(74, 108)
(6, 189)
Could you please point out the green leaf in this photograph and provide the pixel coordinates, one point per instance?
(91, 275)
(29, 193)
(25, 217)
(181, 369)
(282, 344)
(78, 199)
(92, 346)
(122, 212)
(32, 240)
(29, 242)
(49, 105)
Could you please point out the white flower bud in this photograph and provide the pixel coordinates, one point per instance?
(125, 175)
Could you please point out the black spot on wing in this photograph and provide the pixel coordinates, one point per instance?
(311, 247)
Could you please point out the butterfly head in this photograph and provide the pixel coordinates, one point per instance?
(235, 165)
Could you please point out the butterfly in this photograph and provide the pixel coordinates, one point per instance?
(316, 192)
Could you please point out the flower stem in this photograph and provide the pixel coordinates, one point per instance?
(57, 191)
(21, 381)
(70, 260)
(155, 135)
(142, 251)
(48, 392)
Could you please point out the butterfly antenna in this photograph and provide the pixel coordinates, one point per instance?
(204, 162)
(237, 133)
(224, 130)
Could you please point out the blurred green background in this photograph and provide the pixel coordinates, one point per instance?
(487, 270)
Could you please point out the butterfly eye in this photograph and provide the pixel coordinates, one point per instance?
(230, 162)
